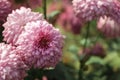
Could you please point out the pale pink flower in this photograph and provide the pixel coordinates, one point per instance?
(109, 27)
(40, 45)
(16, 22)
(5, 9)
(88, 10)
(11, 65)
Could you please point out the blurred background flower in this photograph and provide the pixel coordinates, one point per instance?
(109, 27)
(26, 3)
(96, 50)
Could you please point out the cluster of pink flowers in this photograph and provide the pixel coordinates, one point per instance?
(31, 42)
(88, 10)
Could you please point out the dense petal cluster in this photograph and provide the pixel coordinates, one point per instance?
(16, 22)
(115, 11)
(5, 9)
(40, 45)
(88, 10)
(36, 44)
(11, 66)
(109, 27)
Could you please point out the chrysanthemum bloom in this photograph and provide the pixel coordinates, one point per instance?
(11, 65)
(114, 12)
(16, 22)
(26, 3)
(40, 45)
(88, 10)
(109, 27)
(5, 9)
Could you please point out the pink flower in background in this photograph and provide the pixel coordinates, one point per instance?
(69, 21)
(11, 65)
(96, 50)
(88, 10)
(40, 45)
(76, 25)
(109, 27)
(16, 22)
(26, 3)
(5, 9)
(35, 3)
(44, 78)
(65, 16)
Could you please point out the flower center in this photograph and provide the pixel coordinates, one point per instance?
(43, 43)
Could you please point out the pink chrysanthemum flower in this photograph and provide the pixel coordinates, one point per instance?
(16, 22)
(40, 45)
(115, 11)
(11, 66)
(88, 10)
(109, 27)
(5, 9)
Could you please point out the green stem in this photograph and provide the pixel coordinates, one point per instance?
(85, 57)
(45, 8)
(97, 38)
(86, 37)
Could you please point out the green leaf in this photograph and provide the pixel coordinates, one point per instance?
(95, 59)
(113, 59)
